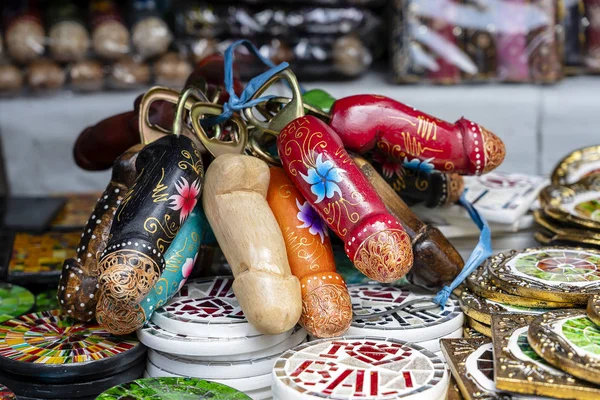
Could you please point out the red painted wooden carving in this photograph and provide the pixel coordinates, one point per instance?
(315, 160)
(419, 140)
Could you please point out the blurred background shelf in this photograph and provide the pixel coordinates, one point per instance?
(539, 124)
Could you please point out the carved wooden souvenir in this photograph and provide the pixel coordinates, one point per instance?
(122, 318)
(593, 309)
(78, 284)
(480, 47)
(436, 261)
(211, 69)
(24, 33)
(577, 204)
(235, 204)
(576, 165)
(165, 192)
(546, 57)
(326, 305)
(110, 36)
(561, 274)
(444, 29)
(315, 160)
(523, 370)
(511, 46)
(480, 284)
(418, 140)
(573, 21)
(569, 341)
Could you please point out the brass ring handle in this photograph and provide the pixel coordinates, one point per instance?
(190, 93)
(256, 150)
(215, 146)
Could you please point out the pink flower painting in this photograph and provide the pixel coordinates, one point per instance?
(186, 198)
(186, 269)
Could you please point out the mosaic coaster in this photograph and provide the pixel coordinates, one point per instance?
(472, 364)
(485, 330)
(556, 231)
(523, 370)
(359, 367)
(479, 283)
(6, 393)
(376, 313)
(205, 307)
(164, 341)
(593, 309)
(76, 211)
(434, 344)
(575, 204)
(562, 274)
(577, 165)
(172, 389)
(222, 369)
(258, 382)
(481, 309)
(46, 300)
(39, 258)
(568, 340)
(470, 333)
(53, 347)
(29, 387)
(14, 301)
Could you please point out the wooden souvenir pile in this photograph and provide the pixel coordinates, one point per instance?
(570, 212)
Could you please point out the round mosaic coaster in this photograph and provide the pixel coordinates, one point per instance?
(484, 329)
(577, 204)
(14, 301)
(479, 283)
(258, 382)
(359, 367)
(172, 389)
(389, 311)
(481, 309)
(576, 165)
(53, 347)
(567, 274)
(164, 341)
(593, 309)
(205, 307)
(6, 393)
(46, 300)
(568, 340)
(221, 369)
(30, 388)
(434, 344)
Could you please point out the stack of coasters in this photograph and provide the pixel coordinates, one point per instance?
(524, 371)
(6, 393)
(203, 333)
(530, 281)
(404, 313)
(359, 367)
(47, 356)
(14, 301)
(172, 389)
(570, 213)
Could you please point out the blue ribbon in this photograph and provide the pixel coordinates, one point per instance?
(236, 103)
(482, 251)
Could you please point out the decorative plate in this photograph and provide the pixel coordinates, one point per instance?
(593, 309)
(472, 364)
(485, 330)
(481, 309)
(162, 340)
(54, 347)
(172, 389)
(221, 369)
(562, 274)
(359, 367)
(479, 283)
(523, 370)
(46, 300)
(243, 384)
(6, 393)
(205, 307)
(578, 164)
(26, 387)
(560, 233)
(382, 310)
(470, 333)
(577, 204)
(14, 301)
(568, 340)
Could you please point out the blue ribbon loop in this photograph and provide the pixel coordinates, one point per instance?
(236, 103)
(482, 251)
